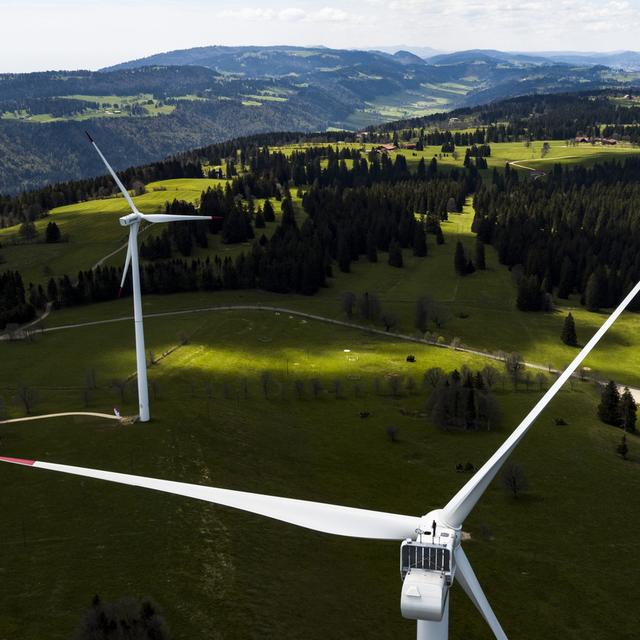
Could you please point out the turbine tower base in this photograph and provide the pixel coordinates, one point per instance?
(429, 630)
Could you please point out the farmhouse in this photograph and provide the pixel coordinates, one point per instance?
(386, 148)
(604, 141)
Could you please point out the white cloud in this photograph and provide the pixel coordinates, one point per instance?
(292, 14)
(249, 14)
(54, 34)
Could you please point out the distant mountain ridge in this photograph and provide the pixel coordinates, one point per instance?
(174, 101)
(626, 60)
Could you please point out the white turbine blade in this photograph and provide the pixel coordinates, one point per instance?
(468, 581)
(327, 518)
(125, 193)
(167, 217)
(463, 502)
(127, 260)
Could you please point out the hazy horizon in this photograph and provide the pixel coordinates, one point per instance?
(40, 35)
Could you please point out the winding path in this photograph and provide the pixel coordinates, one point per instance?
(311, 316)
(301, 314)
(518, 163)
(61, 415)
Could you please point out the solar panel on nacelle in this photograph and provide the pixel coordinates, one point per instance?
(419, 556)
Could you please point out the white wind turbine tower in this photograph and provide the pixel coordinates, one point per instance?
(132, 221)
(431, 555)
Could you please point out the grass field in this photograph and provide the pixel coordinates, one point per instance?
(223, 574)
(109, 107)
(504, 152)
(92, 228)
(212, 569)
(487, 299)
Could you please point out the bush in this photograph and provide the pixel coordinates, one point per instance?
(131, 618)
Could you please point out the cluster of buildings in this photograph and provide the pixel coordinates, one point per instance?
(609, 141)
(388, 148)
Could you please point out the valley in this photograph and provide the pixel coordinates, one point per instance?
(181, 100)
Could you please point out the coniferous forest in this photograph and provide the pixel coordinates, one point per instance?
(352, 214)
(575, 231)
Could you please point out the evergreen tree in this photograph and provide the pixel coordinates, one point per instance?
(288, 213)
(433, 168)
(28, 230)
(480, 257)
(628, 409)
(460, 260)
(609, 407)
(268, 212)
(530, 297)
(568, 335)
(52, 233)
(565, 286)
(419, 241)
(395, 254)
(593, 293)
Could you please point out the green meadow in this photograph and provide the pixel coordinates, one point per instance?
(219, 573)
(484, 299)
(92, 230)
(270, 402)
(109, 107)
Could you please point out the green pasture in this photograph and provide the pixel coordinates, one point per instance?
(481, 307)
(110, 107)
(92, 229)
(502, 153)
(223, 574)
(526, 157)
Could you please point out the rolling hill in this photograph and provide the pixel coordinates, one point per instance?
(170, 102)
(301, 433)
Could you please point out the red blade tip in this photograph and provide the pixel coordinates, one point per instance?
(28, 463)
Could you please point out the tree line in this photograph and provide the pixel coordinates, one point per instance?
(575, 231)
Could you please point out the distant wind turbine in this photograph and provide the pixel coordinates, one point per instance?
(431, 555)
(132, 221)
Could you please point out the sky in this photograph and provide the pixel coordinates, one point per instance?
(38, 35)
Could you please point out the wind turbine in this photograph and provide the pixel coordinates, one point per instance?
(431, 555)
(132, 220)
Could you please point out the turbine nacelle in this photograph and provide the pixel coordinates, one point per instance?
(427, 568)
(131, 218)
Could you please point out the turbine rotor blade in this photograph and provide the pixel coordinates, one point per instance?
(125, 193)
(468, 581)
(327, 518)
(167, 217)
(127, 260)
(463, 502)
